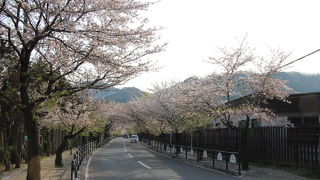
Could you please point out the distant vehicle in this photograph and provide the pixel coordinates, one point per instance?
(134, 138)
(126, 136)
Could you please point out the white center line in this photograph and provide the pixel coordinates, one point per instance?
(130, 155)
(144, 165)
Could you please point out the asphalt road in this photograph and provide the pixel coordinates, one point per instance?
(122, 160)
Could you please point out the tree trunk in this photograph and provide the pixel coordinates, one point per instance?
(59, 151)
(177, 141)
(199, 145)
(63, 146)
(244, 145)
(33, 151)
(46, 142)
(6, 155)
(6, 135)
(70, 146)
(17, 148)
(7, 162)
(52, 141)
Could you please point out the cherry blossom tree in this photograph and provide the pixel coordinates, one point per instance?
(75, 115)
(132, 115)
(254, 88)
(244, 94)
(234, 94)
(115, 114)
(169, 108)
(89, 44)
(162, 106)
(196, 100)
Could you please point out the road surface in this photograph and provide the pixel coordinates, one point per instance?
(122, 160)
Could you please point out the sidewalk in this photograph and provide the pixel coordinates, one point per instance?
(48, 171)
(252, 174)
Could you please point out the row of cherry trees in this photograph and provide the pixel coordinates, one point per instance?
(73, 115)
(59, 120)
(56, 49)
(176, 105)
(195, 102)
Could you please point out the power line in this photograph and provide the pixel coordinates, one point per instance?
(301, 58)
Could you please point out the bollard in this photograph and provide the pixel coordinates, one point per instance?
(72, 170)
(76, 172)
(213, 158)
(87, 149)
(81, 155)
(186, 152)
(239, 165)
(227, 162)
(77, 157)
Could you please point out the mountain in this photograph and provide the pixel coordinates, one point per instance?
(301, 82)
(123, 95)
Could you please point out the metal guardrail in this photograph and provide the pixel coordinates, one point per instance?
(174, 150)
(80, 155)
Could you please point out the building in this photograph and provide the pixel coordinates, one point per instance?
(301, 110)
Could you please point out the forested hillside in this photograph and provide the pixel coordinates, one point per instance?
(119, 95)
(300, 82)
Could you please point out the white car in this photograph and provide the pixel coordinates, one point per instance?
(134, 138)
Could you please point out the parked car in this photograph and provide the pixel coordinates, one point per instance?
(134, 138)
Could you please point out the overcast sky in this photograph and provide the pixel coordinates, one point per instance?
(195, 29)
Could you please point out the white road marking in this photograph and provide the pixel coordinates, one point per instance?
(144, 165)
(101, 159)
(190, 163)
(130, 155)
(87, 167)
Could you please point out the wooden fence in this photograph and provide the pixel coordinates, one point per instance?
(280, 145)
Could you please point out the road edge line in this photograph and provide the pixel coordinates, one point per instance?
(141, 163)
(130, 155)
(87, 167)
(190, 163)
(89, 158)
